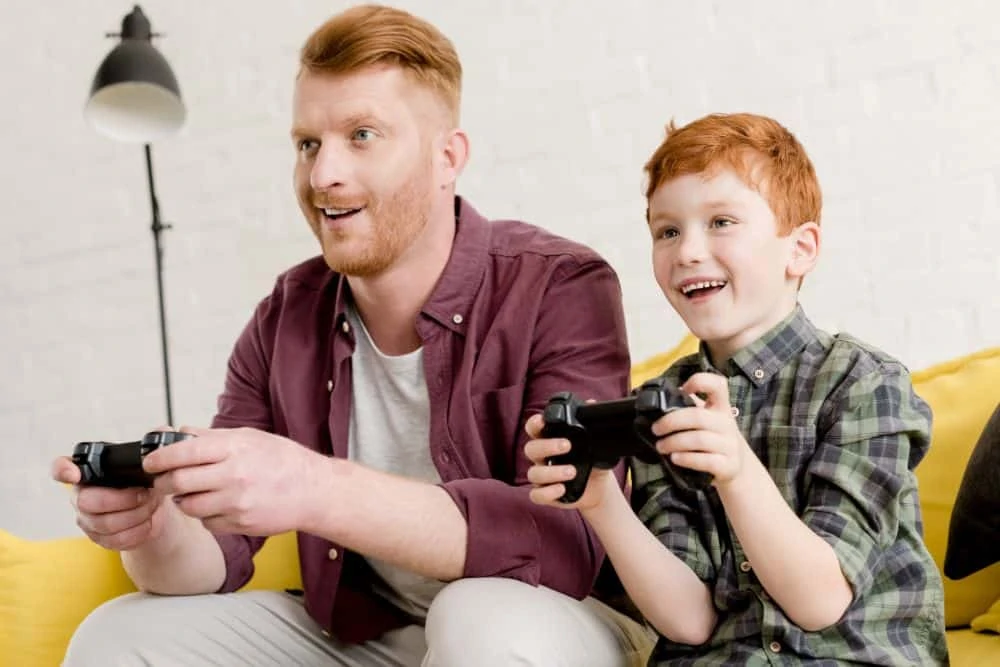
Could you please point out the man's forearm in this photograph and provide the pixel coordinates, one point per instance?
(667, 592)
(795, 565)
(185, 559)
(413, 525)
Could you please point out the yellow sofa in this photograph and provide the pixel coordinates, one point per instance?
(48, 587)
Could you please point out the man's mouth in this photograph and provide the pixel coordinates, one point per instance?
(339, 213)
(702, 288)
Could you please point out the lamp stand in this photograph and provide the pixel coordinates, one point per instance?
(157, 228)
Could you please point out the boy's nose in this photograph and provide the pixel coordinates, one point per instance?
(692, 248)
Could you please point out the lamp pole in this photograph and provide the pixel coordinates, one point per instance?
(157, 228)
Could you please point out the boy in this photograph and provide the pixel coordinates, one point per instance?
(807, 547)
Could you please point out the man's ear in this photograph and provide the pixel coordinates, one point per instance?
(451, 156)
(805, 243)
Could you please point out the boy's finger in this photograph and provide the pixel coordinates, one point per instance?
(712, 386)
(533, 427)
(538, 451)
(542, 475)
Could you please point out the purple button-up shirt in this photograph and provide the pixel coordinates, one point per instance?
(517, 315)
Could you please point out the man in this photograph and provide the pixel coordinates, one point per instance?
(375, 404)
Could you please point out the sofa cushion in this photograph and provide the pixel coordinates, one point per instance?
(962, 394)
(974, 532)
(47, 587)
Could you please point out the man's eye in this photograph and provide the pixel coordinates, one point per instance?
(363, 134)
(721, 222)
(307, 145)
(668, 233)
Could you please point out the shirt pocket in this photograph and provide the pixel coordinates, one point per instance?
(787, 452)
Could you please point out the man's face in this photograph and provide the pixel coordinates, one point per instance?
(719, 260)
(364, 176)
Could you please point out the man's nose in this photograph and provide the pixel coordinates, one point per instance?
(329, 168)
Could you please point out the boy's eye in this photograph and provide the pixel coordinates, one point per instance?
(668, 233)
(721, 222)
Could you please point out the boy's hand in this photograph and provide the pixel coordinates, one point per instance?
(548, 480)
(705, 437)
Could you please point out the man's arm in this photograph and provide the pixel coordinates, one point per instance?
(488, 527)
(184, 560)
(816, 565)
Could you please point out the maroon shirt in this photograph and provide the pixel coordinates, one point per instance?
(517, 315)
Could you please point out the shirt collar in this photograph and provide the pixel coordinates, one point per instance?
(767, 355)
(450, 302)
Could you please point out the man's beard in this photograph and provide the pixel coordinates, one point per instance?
(396, 222)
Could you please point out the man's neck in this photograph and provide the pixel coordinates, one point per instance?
(390, 302)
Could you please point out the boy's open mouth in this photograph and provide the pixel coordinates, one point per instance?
(703, 288)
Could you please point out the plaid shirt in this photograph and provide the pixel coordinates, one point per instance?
(840, 429)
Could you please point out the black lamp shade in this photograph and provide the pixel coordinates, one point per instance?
(135, 96)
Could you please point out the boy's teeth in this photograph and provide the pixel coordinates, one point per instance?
(687, 289)
(336, 211)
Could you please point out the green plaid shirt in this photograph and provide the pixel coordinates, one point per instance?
(840, 429)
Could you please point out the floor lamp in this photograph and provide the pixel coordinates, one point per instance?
(135, 98)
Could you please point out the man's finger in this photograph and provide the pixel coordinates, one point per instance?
(202, 450)
(533, 427)
(100, 500)
(64, 470)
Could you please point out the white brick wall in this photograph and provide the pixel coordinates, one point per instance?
(896, 101)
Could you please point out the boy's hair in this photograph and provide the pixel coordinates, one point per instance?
(372, 35)
(761, 151)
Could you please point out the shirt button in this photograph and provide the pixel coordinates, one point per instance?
(759, 373)
(736, 411)
(457, 319)
(332, 554)
(745, 566)
(345, 326)
(326, 633)
(445, 458)
(329, 385)
(775, 647)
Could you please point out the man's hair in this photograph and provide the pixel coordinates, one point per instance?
(372, 35)
(758, 149)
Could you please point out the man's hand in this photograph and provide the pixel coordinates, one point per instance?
(705, 437)
(117, 519)
(549, 480)
(239, 480)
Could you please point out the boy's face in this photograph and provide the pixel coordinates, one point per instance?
(719, 260)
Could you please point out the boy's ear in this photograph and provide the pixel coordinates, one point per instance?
(804, 249)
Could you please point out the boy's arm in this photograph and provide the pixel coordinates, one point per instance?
(816, 565)
(670, 590)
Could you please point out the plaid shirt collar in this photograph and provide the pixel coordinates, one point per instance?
(761, 359)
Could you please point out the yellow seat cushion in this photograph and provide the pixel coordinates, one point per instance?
(48, 587)
(962, 394)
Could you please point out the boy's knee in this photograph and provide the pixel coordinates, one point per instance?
(507, 622)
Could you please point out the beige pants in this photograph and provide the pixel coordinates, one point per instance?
(472, 623)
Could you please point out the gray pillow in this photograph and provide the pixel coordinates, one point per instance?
(974, 529)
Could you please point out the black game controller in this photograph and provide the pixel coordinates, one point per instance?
(119, 464)
(602, 433)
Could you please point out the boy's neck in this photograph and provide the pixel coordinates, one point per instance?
(721, 351)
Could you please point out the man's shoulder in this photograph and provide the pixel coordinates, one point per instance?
(512, 238)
